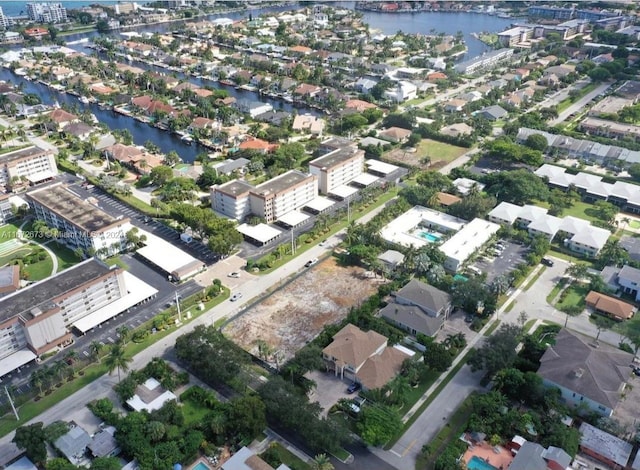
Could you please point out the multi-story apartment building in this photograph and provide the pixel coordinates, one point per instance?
(38, 318)
(556, 13)
(283, 194)
(340, 165)
(514, 36)
(483, 62)
(5, 21)
(80, 224)
(47, 12)
(232, 199)
(269, 200)
(32, 164)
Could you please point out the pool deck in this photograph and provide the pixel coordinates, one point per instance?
(202, 461)
(500, 460)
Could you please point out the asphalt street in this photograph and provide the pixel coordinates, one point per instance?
(581, 103)
(252, 290)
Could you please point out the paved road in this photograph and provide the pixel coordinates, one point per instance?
(581, 103)
(403, 455)
(251, 290)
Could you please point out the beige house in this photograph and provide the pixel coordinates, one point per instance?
(363, 357)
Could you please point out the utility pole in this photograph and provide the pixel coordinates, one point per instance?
(15, 412)
(348, 210)
(178, 307)
(293, 244)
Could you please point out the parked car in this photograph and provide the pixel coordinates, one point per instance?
(234, 275)
(311, 262)
(236, 296)
(547, 262)
(354, 387)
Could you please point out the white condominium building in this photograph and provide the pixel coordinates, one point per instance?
(80, 224)
(47, 12)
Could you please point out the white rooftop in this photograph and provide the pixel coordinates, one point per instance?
(365, 179)
(402, 230)
(261, 232)
(159, 399)
(293, 218)
(137, 291)
(472, 236)
(344, 191)
(320, 203)
(163, 254)
(380, 167)
(464, 185)
(15, 360)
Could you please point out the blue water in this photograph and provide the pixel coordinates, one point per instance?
(476, 463)
(460, 277)
(200, 466)
(430, 237)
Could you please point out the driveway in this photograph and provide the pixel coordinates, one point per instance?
(329, 389)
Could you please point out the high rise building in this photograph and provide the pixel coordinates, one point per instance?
(47, 12)
(5, 21)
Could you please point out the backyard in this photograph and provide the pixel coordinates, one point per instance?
(438, 153)
(294, 315)
(573, 296)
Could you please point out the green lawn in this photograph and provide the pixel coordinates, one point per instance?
(581, 210)
(8, 232)
(416, 392)
(18, 254)
(66, 257)
(574, 295)
(40, 270)
(193, 412)
(116, 261)
(439, 151)
(583, 91)
(287, 458)
(635, 224)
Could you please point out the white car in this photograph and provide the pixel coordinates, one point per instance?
(236, 296)
(311, 262)
(234, 275)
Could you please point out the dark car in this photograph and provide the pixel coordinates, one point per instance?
(354, 387)
(547, 262)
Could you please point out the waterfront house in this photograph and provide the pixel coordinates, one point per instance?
(61, 118)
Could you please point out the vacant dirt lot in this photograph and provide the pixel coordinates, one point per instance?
(295, 314)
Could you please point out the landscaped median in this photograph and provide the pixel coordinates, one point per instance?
(30, 406)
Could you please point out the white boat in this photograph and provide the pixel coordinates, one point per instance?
(187, 139)
(84, 99)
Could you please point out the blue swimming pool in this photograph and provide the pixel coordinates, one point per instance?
(200, 466)
(430, 236)
(476, 463)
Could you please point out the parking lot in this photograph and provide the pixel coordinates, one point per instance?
(499, 265)
(329, 389)
(115, 208)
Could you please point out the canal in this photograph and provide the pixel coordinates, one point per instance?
(141, 132)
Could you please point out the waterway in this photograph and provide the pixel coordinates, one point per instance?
(141, 132)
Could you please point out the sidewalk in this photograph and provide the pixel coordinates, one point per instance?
(471, 344)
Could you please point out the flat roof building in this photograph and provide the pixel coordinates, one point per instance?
(39, 318)
(604, 447)
(467, 241)
(30, 165)
(79, 223)
(420, 226)
(270, 200)
(337, 167)
(175, 263)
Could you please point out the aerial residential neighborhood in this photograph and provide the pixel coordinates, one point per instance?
(311, 236)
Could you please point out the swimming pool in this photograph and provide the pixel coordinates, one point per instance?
(476, 463)
(202, 466)
(430, 236)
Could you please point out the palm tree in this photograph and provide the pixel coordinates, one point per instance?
(117, 359)
(321, 462)
(37, 379)
(95, 347)
(60, 368)
(123, 334)
(71, 357)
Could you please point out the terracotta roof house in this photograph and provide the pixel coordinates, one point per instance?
(454, 105)
(586, 375)
(363, 357)
(300, 50)
(359, 105)
(457, 129)
(609, 306)
(256, 144)
(395, 134)
(202, 92)
(307, 90)
(61, 118)
(432, 77)
(203, 123)
(307, 122)
(142, 102)
(101, 89)
(123, 153)
(446, 199)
